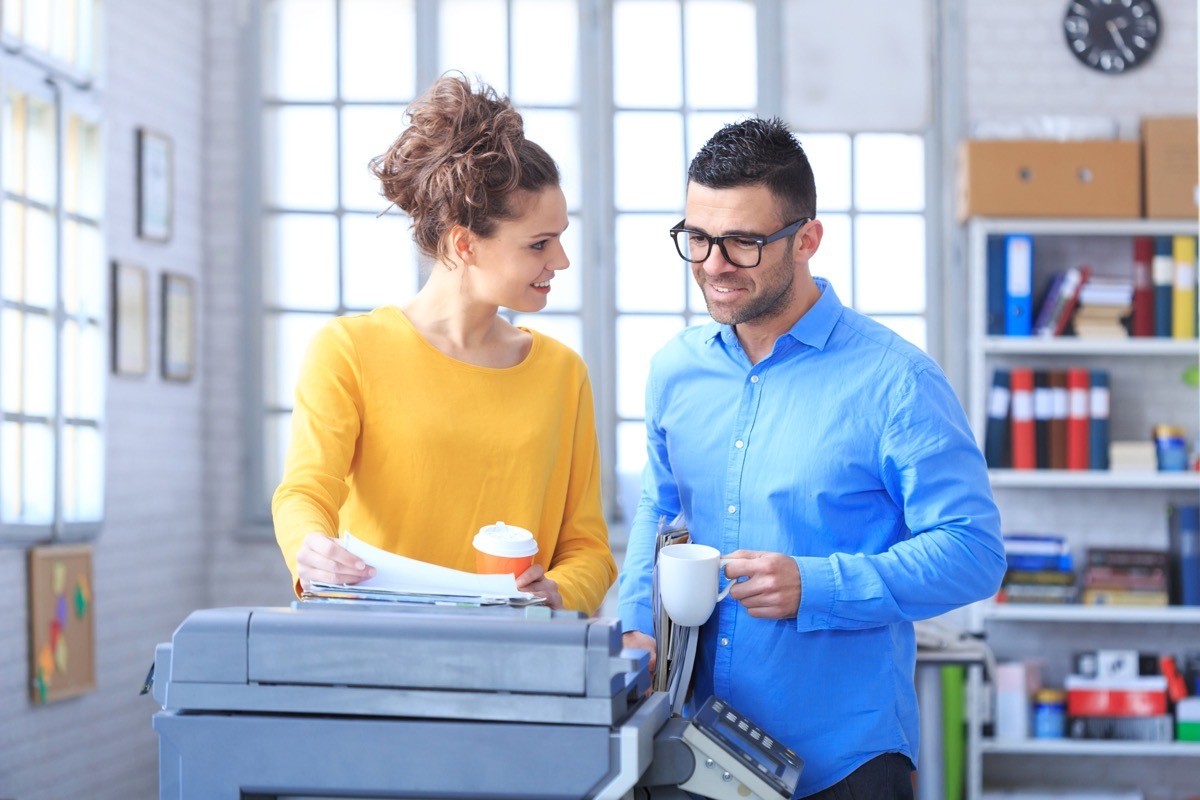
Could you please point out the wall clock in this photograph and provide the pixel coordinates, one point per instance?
(1112, 36)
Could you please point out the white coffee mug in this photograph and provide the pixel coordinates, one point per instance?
(688, 577)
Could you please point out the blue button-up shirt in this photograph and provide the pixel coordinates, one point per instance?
(847, 449)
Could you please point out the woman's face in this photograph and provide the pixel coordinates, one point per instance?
(515, 265)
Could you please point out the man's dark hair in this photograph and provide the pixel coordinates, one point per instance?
(758, 152)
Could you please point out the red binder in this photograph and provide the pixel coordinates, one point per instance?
(1143, 287)
(1079, 452)
(1024, 439)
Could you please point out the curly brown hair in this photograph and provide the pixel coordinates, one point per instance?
(460, 161)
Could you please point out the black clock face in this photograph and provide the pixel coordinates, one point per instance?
(1112, 36)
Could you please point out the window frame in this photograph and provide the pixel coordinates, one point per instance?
(598, 314)
(73, 94)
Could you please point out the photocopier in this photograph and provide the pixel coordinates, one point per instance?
(331, 701)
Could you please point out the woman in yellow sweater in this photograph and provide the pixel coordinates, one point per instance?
(416, 426)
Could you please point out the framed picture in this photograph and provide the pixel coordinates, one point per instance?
(178, 327)
(156, 190)
(130, 318)
(62, 638)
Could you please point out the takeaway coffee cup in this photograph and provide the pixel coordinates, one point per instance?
(688, 576)
(504, 548)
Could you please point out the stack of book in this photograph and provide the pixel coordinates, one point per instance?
(1040, 570)
(1105, 306)
(1119, 695)
(1125, 577)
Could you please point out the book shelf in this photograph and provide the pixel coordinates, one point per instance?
(1088, 507)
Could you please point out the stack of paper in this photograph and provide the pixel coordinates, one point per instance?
(674, 644)
(407, 580)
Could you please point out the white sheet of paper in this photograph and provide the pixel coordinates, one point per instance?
(410, 575)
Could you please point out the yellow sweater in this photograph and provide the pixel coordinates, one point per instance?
(414, 451)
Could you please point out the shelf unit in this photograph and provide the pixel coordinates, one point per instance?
(1098, 507)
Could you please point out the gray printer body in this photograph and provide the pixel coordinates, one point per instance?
(376, 701)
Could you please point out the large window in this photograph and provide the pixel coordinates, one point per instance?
(52, 289)
(622, 93)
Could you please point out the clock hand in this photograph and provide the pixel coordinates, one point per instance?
(1115, 30)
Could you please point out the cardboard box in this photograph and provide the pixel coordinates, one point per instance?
(1169, 164)
(1035, 178)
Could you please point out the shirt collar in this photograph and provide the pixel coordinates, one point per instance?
(812, 329)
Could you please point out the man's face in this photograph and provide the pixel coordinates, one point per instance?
(737, 295)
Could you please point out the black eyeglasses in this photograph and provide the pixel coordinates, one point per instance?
(740, 249)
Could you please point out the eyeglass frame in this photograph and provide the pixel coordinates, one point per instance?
(719, 241)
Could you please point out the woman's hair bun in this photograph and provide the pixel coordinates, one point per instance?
(460, 160)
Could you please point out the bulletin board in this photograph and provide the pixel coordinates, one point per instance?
(62, 639)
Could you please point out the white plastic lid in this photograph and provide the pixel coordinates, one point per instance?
(506, 541)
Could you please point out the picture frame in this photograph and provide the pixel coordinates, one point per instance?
(155, 186)
(178, 327)
(130, 319)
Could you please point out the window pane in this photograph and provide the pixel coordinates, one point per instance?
(566, 292)
(378, 50)
(647, 41)
(12, 336)
(13, 17)
(83, 474)
(832, 260)
(70, 368)
(92, 371)
(696, 301)
(650, 172)
(558, 134)
(38, 479)
(890, 264)
(10, 472)
(277, 429)
(639, 338)
(299, 49)
(911, 328)
(727, 80)
(473, 41)
(380, 260)
(298, 158)
(650, 274)
(631, 458)
(89, 31)
(829, 156)
(542, 74)
(90, 270)
(36, 30)
(41, 167)
(39, 365)
(889, 172)
(300, 261)
(367, 131)
(40, 258)
(12, 140)
(285, 339)
(82, 169)
(12, 240)
(566, 329)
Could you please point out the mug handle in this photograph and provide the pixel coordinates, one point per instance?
(724, 592)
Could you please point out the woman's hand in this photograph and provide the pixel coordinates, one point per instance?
(534, 581)
(323, 560)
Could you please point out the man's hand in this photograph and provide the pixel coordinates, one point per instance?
(534, 581)
(636, 640)
(323, 560)
(772, 586)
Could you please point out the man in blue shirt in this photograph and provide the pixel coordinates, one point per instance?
(828, 457)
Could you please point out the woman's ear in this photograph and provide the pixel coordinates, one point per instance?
(460, 245)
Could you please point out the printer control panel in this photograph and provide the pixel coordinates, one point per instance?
(744, 750)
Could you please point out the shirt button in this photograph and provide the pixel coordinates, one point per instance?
(739, 444)
(732, 509)
(754, 379)
(724, 641)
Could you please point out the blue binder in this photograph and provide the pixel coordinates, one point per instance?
(1162, 273)
(1098, 423)
(1018, 284)
(995, 286)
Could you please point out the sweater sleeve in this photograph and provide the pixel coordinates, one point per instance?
(583, 565)
(326, 421)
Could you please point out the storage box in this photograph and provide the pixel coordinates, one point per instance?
(1169, 164)
(1035, 178)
